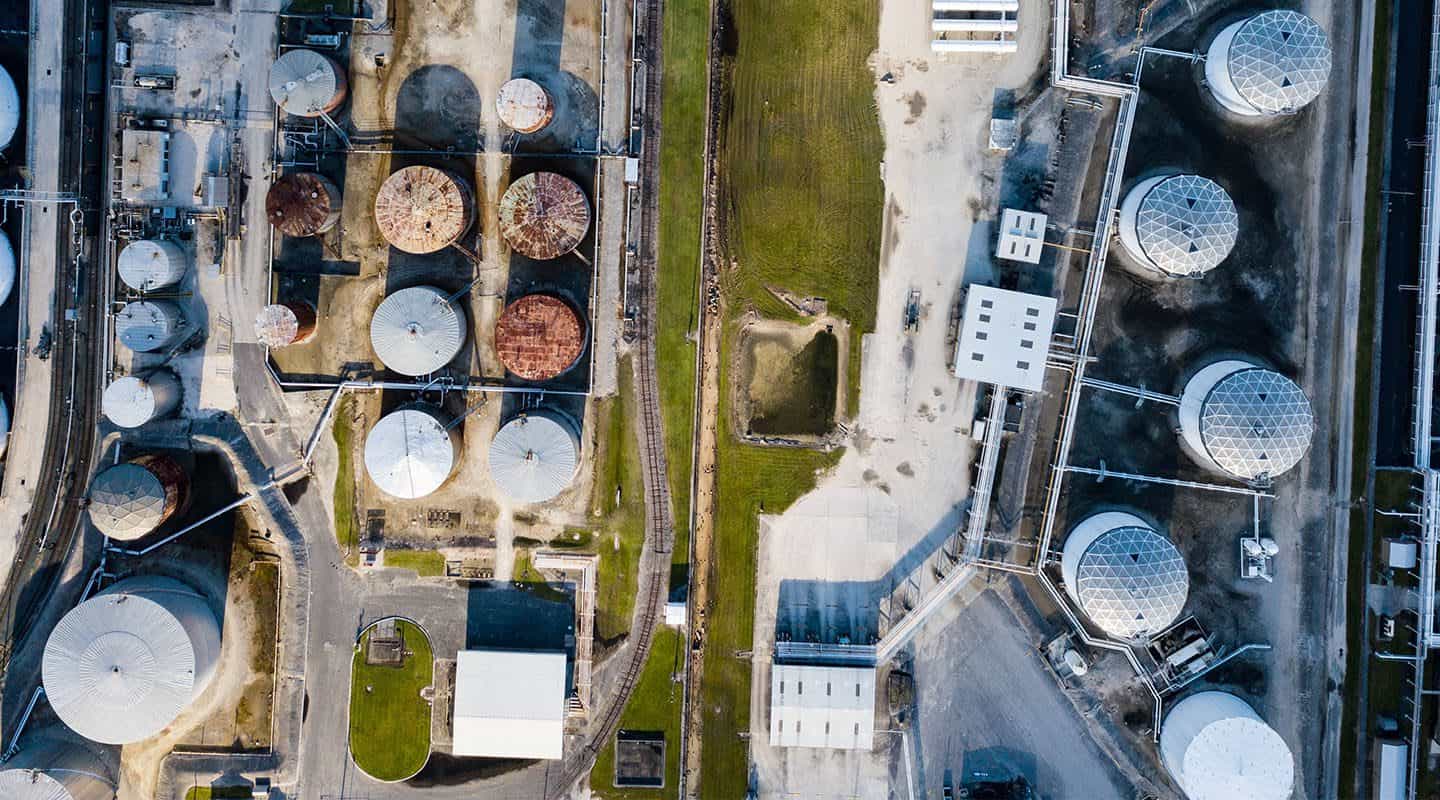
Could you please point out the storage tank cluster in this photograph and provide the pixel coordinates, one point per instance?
(417, 331)
(49, 769)
(1217, 748)
(539, 337)
(1243, 420)
(1126, 577)
(121, 666)
(544, 215)
(524, 106)
(534, 456)
(134, 400)
(305, 83)
(423, 209)
(301, 204)
(412, 451)
(1269, 64)
(1181, 226)
(132, 499)
(283, 324)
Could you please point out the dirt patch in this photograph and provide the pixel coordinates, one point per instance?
(787, 384)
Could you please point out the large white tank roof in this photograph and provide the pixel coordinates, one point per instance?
(132, 401)
(147, 264)
(1272, 63)
(149, 325)
(1182, 225)
(122, 665)
(534, 456)
(417, 331)
(1249, 421)
(306, 83)
(25, 784)
(9, 108)
(409, 453)
(1127, 578)
(1217, 748)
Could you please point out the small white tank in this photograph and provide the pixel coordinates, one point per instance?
(7, 268)
(132, 401)
(9, 109)
(148, 265)
(149, 325)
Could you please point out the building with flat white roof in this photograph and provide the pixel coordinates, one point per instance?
(1022, 236)
(509, 704)
(818, 706)
(1005, 338)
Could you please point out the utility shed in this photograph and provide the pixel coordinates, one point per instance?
(509, 704)
(822, 706)
(1005, 338)
(1401, 554)
(1022, 236)
(145, 166)
(1392, 778)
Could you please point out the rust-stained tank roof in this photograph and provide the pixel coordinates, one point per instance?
(284, 324)
(524, 106)
(539, 336)
(302, 204)
(544, 215)
(423, 209)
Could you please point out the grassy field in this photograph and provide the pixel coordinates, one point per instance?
(425, 563)
(655, 706)
(389, 722)
(347, 531)
(622, 532)
(218, 793)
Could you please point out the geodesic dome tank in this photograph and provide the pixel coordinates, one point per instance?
(411, 451)
(1127, 578)
(423, 209)
(284, 324)
(417, 331)
(129, 500)
(534, 456)
(302, 204)
(307, 84)
(132, 401)
(149, 325)
(1217, 748)
(1242, 420)
(1276, 62)
(544, 215)
(1182, 226)
(524, 105)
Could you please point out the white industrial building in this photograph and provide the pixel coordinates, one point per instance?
(1181, 226)
(822, 706)
(1127, 578)
(1005, 337)
(1022, 236)
(509, 704)
(411, 452)
(1217, 748)
(417, 331)
(1242, 420)
(1273, 63)
(534, 456)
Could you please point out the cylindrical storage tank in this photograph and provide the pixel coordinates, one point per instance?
(7, 268)
(122, 665)
(149, 325)
(4, 426)
(524, 105)
(129, 500)
(133, 400)
(1217, 748)
(307, 84)
(544, 215)
(55, 770)
(423, 209)
(539, 336)
(1273, 63)
(534, 456)
(417, 331)
(9, 108)
(149, 264)
(302, 204)
(1243, 420)
(411, 451)
(1181, 226)
(284, 324)
(1127, 578)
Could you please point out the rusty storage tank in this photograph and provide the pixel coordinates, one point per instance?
(544, 215)
(134, 400)
(149, 325)
(524, 105)
(307, 84)
(417, 331)
(539, 337)
(284, 324)
(132, 499)
(147, 265)
(302, 204)
(423, 209)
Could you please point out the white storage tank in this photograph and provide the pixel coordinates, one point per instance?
(9, 108)
(1273, 63)
(7, 268)
(411, 451)
(149, 325)
(1243, 420)
(4, 426)
(1181, 226)
(1217, 748)
(122, 665)
(534, 456)
(1127, 578)
(134, 400)
(147, 265)
(129, 500)
(49, 769)
(307, 84)
(417, 331)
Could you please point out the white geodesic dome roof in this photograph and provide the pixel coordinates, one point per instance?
(1217, 748)
(533, 457)
(1186, 225)
(25, 784)
(1129, 580)
(418, 330)
(409, 453)
(1279, 61)
(1256, 422)
(127, 501)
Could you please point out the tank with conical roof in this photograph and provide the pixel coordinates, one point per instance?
(302, 204)
(544, 215)
(130, 500)
(423, 209)
(48, 768)
(134, 400)
(1127, 578)
(1269, 64)
(121, 666)
(306, 83)
(534, 456)
(7, 267)
(1181, 226)
(539, 337)
(411, 451)
(1217, 748)
(417, 331)
(1242, 420)
(283, 324)
(524, 105)
(147, 265)
(9, 108)
(149, 325)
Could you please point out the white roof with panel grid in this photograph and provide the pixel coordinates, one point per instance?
(820, 706)
(1005, 337)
